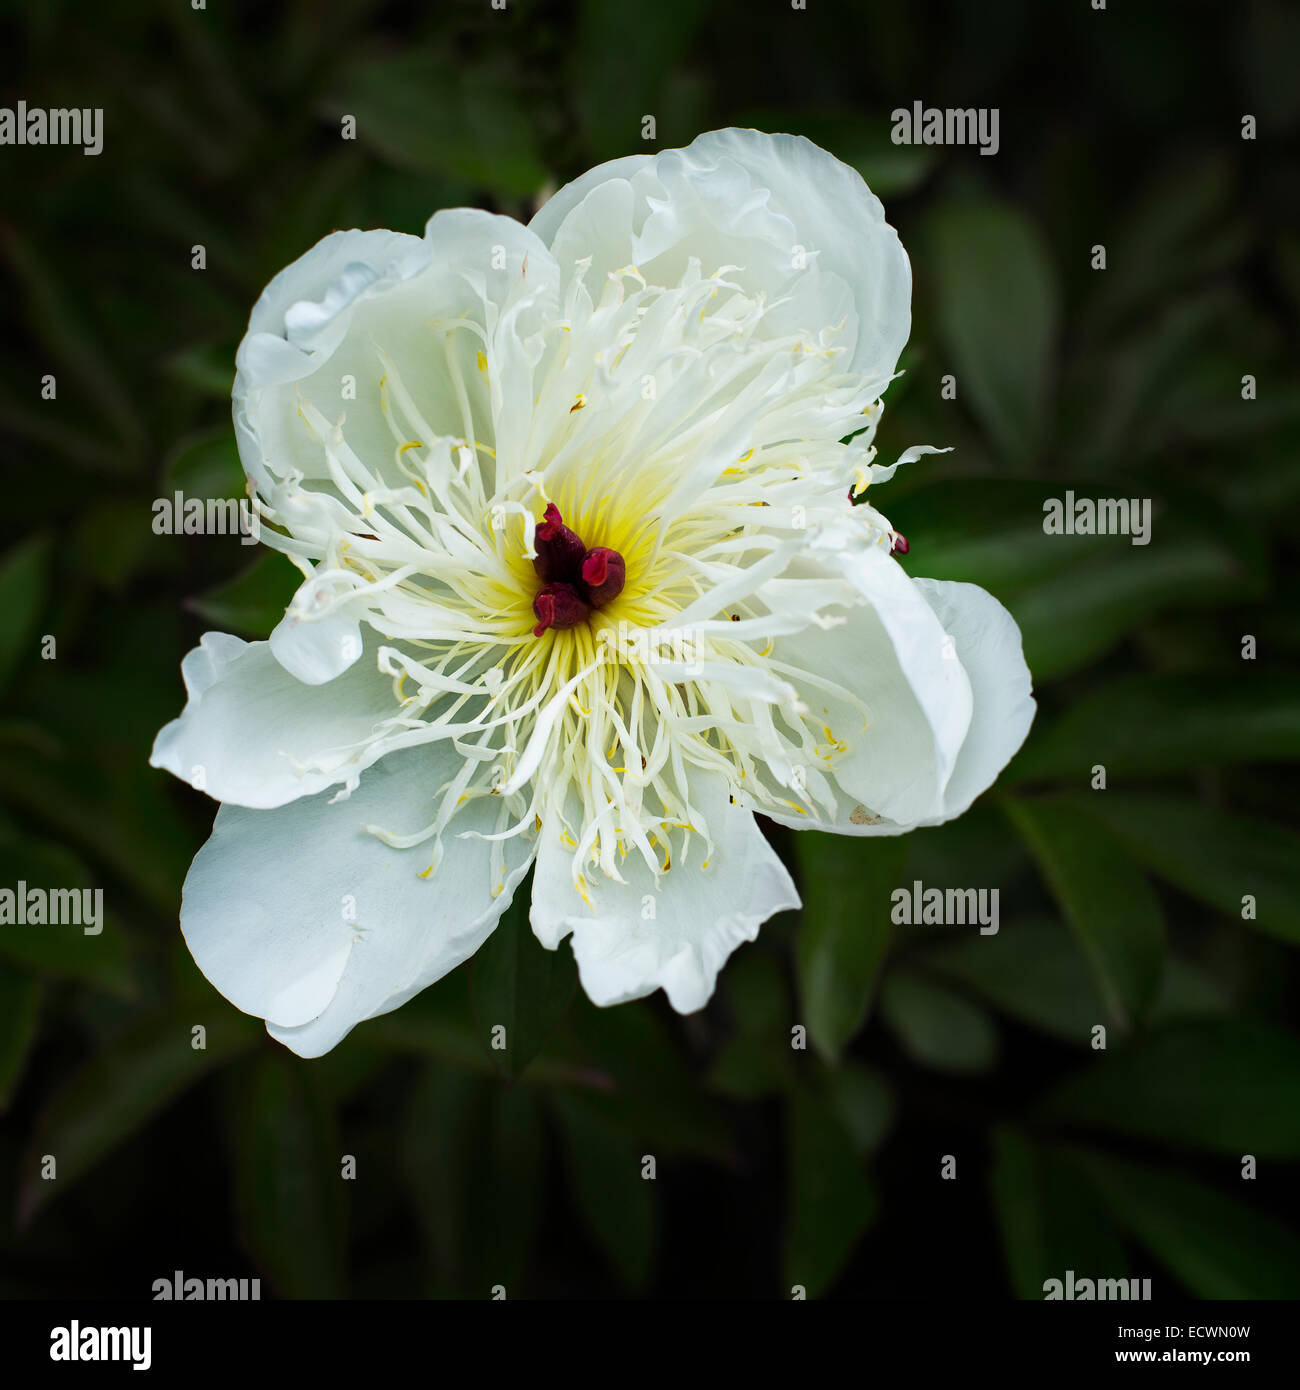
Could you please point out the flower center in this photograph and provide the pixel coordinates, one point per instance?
(574, 579)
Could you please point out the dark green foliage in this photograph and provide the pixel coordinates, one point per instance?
(780, 1157)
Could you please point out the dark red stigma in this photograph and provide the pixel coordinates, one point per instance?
(574, 579)
(559, 551)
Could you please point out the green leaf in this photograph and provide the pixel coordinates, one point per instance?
(51, 436)
(114, 543)
(978, 847)
(1216, 1246)
(1163, 379)
(113, 816)
(436, 1024)
(997, 302)
(24, 574)
(1076, 616)
(471, 1153)
(757, 1059)
(989, 531)
(631, 1055)
(831, 1199)
(205, 465)
(518, 986)
(206, 367)
(863, 1103)
(1033, 970)
(936, 1027)
(68, 337)
(1187, 990)
(439, 1024)
(289, 1186)
(1049, 1218)
(1224, 1085)
(253, 602)
(757, 995)
(1216, 856)
(118, 1090)
(1179, 229)
(845, 884)
(612, 98)
(746, 1069)
(1158, 724)
(424, 113)
(1013, 1180)
(1073, 595)
(1110, 906)
(347, 1072)
(609, 1191)
(20, 1008)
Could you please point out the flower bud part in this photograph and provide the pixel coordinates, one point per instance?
(559, 549)
(559, 605)
(604, 572)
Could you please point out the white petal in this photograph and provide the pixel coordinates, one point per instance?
(795, 220)
(700, 915)
(836, 215)
(989, 648)
(546, 220)
(315, 650)
(891, 653)
(601, 227)
(987, 644)
(300, 916)
(249, 729)
(300, 319)
(329, 316)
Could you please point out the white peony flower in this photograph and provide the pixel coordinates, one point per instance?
(583, 589)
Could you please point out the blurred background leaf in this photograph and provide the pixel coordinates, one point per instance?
(1215, 1246)
(998, 307)
(831, 1201)
(1049, 1218)
(289, 1179)
(845, 885)
(795, 1121)
(519, 987)
(118, 1091)
(611, 1192)
(472, 1157)
(1111, 908)
(1224, 1085)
